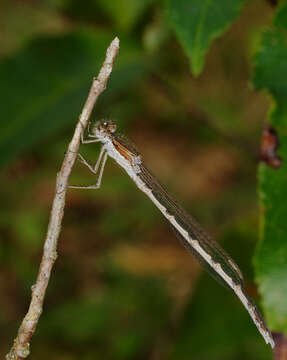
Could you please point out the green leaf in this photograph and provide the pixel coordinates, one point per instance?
(120, 319)
(44, 86)
(231, 334)
(198, 22)
(125, 13)
(271, 255)
(213, 307)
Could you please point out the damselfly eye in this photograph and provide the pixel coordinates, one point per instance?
(112, 127)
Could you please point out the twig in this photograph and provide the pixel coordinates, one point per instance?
(20, 349)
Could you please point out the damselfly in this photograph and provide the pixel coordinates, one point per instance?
(193, 237)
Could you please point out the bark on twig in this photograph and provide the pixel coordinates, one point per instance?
(20, 349)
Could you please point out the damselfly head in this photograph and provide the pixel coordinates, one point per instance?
(104, 127)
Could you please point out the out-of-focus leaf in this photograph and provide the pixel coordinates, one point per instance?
(271, 256)
(125, 13)
(198, 22)
(21, 21)
(215, 326)
(121, 319)
(40, 94)
(29, 228)
(155, 35)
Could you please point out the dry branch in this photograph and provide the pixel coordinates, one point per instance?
(20, 349)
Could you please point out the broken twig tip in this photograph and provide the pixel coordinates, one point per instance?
(116, 41)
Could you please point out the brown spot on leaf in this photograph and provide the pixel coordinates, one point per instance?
(270, 144)
(273, 2)
(280, 351)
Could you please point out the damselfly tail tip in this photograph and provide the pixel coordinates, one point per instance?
(267, 335)
(270, 340)
(255, 314)
(265, 332)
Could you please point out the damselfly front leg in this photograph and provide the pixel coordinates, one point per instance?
(94, 169)
(88, 141)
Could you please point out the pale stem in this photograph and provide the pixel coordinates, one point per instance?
(20, 348)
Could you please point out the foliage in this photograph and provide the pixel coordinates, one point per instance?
(198, 22)
(271, 258)
(122, 286)
(49, 90)
(125, 20)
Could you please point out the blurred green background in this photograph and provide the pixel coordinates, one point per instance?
(122, 286)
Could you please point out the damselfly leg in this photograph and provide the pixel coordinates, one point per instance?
(90, 135)
(94, 169)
